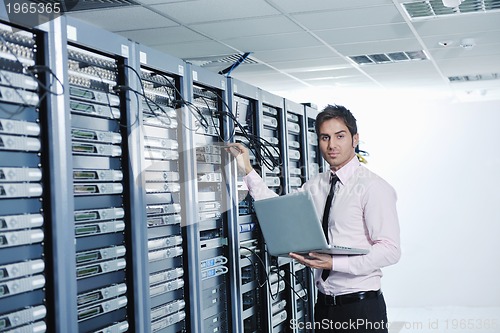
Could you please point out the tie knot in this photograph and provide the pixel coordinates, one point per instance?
(333, 178)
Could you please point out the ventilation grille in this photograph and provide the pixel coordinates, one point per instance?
(383, 58)
(230, 59)
(77, 5)
(475, 77)
(433, 8)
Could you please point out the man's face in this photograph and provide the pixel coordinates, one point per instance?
(336, 143)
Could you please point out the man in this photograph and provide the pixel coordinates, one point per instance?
(362, 215)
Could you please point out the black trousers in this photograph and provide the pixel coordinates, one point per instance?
(365, 316)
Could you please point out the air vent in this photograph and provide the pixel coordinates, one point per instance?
(384, 58)
(433, 8)
(475, 77)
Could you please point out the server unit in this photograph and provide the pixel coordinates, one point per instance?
(271, 120)
(161, 85)
(272, 126)
(98, 187)
(301, 276)
(24, 269)
(252, 270)
(213, 227)
(103, 187)
(295, 145)
(315, 162)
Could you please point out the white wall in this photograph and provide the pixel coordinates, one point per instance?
(443, 158)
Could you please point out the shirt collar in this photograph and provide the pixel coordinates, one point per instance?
(345, 172)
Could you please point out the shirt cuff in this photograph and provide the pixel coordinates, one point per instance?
(252, 179)
(340, 264)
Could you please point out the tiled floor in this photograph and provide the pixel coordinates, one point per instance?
(444, 320)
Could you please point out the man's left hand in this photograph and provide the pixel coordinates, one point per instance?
(314, 260)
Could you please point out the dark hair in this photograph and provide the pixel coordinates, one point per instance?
(338, 112)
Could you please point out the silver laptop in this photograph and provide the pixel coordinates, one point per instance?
(290, 223)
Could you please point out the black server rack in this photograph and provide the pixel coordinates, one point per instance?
(162, 85)
(301, 276)
(252, 270)
(25, 284)
(103, 187)
(272, 126)
(98, 174)
(272, 129)
(315, 162)
(295, 144)
(213, 226)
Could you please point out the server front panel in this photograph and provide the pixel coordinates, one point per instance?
(314, 159)
(162, 176)
(251, 246)
(100, 217)
(295, 144)
(272, 125)
(212, 224)
(23, 185)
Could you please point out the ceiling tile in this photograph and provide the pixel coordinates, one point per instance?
(476, 65)
(379, 46)
(323, 5)
(342, 81)
(365, 34)
(412, 69)
(298, 54)
(196, 49)
(483, 38)
(458, 52)
(332, 74)
(118, 19)
(311, 65)
(160, 36)
(462, 24)
(273, 42)
(215, 10)
(365, 16)
(271, 82)
(247, 27)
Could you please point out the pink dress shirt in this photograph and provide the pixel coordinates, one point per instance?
(363, 215)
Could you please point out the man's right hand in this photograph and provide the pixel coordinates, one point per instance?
(240, 153)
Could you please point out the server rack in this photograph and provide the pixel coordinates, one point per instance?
(106, 221)
(272, 126)
(162, 84)
(212, 231)
(244, 100)
(315, 162)
(25, 267)
(301, 276)
(295, 145)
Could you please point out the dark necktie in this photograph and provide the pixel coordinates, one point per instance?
(326, 213)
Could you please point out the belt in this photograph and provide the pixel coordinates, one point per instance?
(347, 298)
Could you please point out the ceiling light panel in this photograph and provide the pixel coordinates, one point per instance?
(428, 9)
